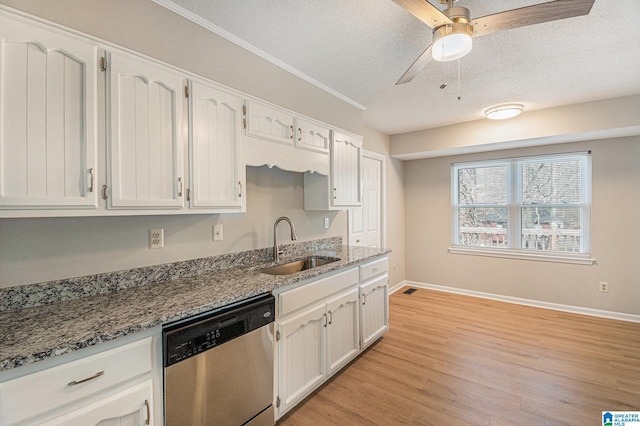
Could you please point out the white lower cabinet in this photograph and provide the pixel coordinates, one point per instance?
(114, 387)
(315, 344)
(374, 316)
(321, 328)
(302, 363)
(374, 300)
(128, 407)
(342, 330)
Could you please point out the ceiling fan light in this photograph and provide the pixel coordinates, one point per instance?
(452, 41)
(502, 112)
(451, 47)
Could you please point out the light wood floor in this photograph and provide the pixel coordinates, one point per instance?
(456, 360)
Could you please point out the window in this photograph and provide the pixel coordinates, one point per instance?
(523, 207)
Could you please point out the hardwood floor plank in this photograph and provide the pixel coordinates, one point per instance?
(460, 360)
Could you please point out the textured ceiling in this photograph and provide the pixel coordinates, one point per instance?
(359, 48)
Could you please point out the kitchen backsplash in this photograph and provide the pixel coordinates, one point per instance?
(26, 296)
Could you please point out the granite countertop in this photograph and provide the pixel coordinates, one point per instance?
(32, 334)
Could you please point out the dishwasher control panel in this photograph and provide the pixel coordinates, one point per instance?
(189, 337)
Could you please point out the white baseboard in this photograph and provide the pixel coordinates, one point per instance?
(519, 301)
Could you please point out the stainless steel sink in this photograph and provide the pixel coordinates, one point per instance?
(298, 265)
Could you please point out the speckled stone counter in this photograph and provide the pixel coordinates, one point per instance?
(42, 331)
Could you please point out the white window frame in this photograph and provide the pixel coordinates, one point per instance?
(515, 205)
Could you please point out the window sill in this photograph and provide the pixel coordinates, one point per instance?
(577, 259)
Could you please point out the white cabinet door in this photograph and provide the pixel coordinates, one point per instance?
(301, 351)
(269, 123)
(48, 112)
(343, 340)
(312, 136)
(216, 165)
(346, 155)
(128, 407)
(374, 309)
(145, 144)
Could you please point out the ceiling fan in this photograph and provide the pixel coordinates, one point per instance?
(453, 28)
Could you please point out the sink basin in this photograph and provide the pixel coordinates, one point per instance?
(298, 265)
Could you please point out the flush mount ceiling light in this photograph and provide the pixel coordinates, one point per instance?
(453, 41)
(502, 112)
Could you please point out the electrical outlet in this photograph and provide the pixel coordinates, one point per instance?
(156, 238)
(326, 223)
(604, 287)
(218, 232)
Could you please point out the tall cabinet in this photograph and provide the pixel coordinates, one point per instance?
(48, 107)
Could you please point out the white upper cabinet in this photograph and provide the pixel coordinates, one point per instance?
(312, 136)
(346, 162)
(277, 137)
(145, 148)
(217, 171)
(48, 110)
(269, 122)
(343, 187)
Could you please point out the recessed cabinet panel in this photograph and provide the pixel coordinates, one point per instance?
(269, 123)
(374, 297)
(302, 355)
(48, 113)
(215, 148)
(312, 136)
(145, 145)
(343, 340)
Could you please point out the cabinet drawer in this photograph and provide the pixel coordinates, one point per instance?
(291, 300)
(374, 268)
(43, 391)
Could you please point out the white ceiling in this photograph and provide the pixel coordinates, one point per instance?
(360, 48)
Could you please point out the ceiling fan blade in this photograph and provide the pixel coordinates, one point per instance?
(416, 67)
(530, 15)
(424, 11)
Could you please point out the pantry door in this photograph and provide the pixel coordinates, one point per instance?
(366, 223)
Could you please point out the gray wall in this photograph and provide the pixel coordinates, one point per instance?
(42, 249)
(615, 227)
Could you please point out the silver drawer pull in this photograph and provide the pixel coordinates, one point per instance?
(92, 176)
(146, 404)
(77, 382)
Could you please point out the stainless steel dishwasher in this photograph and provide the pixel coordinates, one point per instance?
(218, 366)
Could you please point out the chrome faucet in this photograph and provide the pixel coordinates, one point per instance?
(276, 251)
